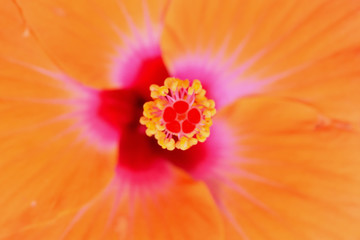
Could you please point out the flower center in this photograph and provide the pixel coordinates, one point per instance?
(180, 115)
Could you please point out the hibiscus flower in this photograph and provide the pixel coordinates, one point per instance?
(250, 130)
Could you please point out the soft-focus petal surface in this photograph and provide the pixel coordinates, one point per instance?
(96, 41)
(47, 166)
(293, 175)
(172, 212)
(308, 50)
(182, 210)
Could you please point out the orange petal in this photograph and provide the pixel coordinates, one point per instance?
(47, 167)
(89, 38)
(308, 50)
(183, 210)
(294, 174)
(331, 84)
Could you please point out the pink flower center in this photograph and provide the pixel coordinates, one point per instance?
(140, 158)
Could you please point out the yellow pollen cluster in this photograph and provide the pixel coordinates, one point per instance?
(180, 115)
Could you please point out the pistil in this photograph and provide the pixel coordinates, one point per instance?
(180, 115)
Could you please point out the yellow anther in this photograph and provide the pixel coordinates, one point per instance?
(143, 120)
(212, 104)
(169, 82)
(170, 144)
(163, 91)
(160, 135)
(157, 91)
(205, 133)
(197, 86)
(172, 83)
(160, 127)
(201, 93)
(191, 90)
(207, 113)
(201, 137)
(193, 141)
(154, 94)
(148, 105)
(209, 103)
(160, 104)
(183, 143)
(185, 84)
(154, 87)
(208, 122)
(149, 132)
